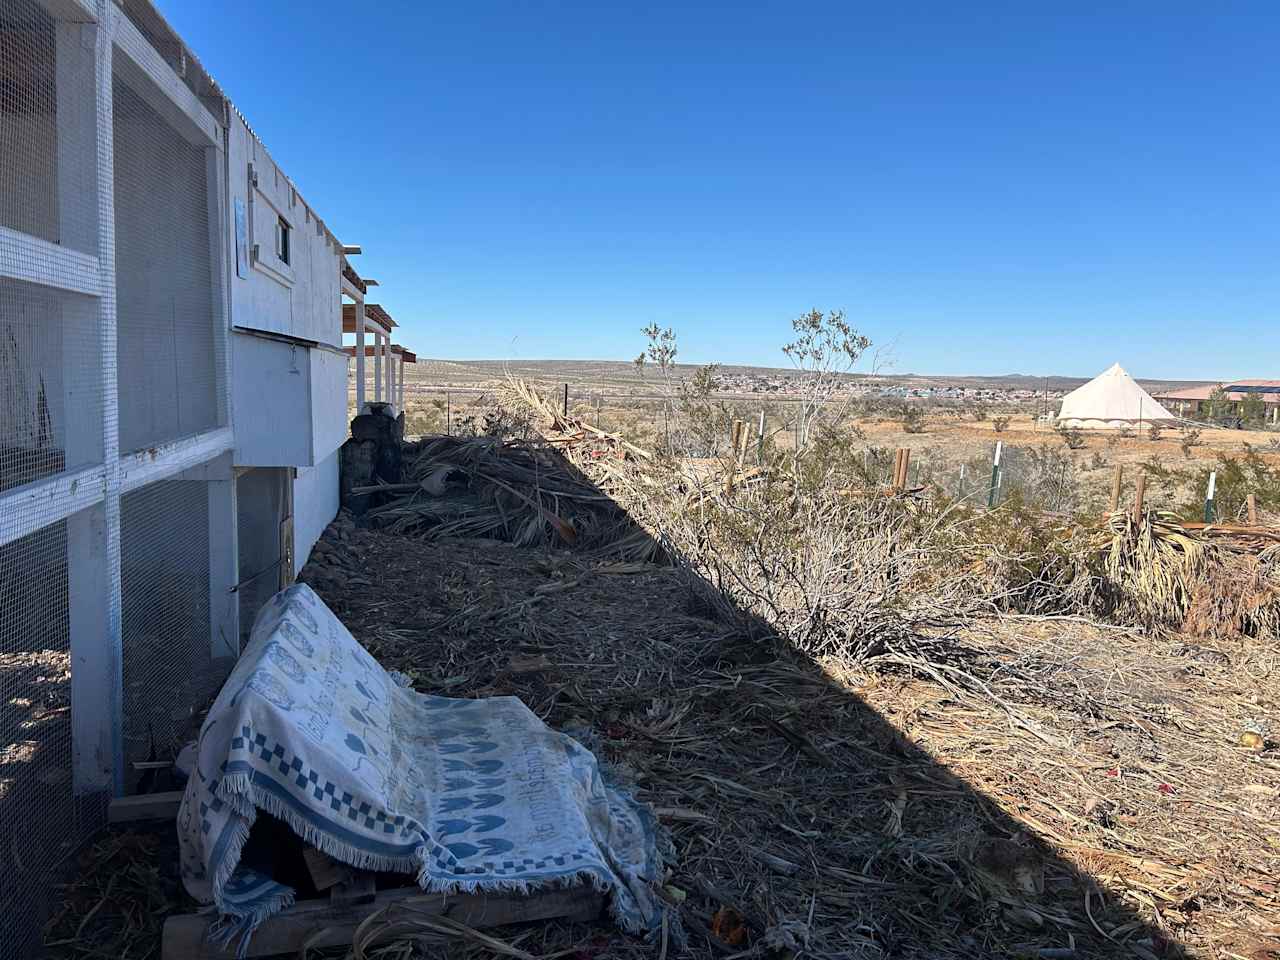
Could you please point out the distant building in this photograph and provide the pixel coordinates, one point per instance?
(1195, 399)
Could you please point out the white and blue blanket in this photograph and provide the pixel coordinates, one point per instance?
(465, 795)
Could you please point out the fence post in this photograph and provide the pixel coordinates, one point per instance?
(1139, 496)
(1116, 483)
(995, 475)
(1208, 500)
(566, 400)
(960, 488)
(760, 441)
(448, 413)
(1251, 503)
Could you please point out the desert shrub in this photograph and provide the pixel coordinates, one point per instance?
(1155, 431)
(1238, 476)
(1000, 424)
(1190, 437)
(1072, 438)
(912, 418)
(1124, 432)
(1098, 460)
(978, 411)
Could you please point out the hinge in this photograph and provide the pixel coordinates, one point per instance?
(253, 175)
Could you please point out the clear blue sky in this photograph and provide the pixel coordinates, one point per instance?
(994, 186)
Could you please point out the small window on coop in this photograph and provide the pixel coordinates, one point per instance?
(282, 239)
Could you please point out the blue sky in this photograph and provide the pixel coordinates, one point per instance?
(993, 187)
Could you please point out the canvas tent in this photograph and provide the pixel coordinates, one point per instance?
(1110, 401)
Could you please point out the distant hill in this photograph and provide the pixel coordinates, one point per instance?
(621, 374)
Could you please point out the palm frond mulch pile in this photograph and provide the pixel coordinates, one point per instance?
(1025, 787)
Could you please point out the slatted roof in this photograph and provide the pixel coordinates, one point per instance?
(374, 315)
(408, 355)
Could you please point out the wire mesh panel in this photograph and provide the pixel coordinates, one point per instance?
(40, 823)
(261, 504)
(169, 353)
(46, 127)
(50, 383)
(170, 674)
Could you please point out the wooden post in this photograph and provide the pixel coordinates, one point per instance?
(1208, 500)
(1116, 483)
(1252, 503)
(360, 358)
(566, 400)
(906, 468)
(448, 413)
(1140, 495)
(960, 489)
(760, 440)
(897, 469)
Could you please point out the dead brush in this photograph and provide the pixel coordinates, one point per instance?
(1149, 567)
(1236, 595)
(835, 575)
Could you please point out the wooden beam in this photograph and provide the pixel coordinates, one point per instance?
(71, 11)
(152, 78)
(32, 260)
(34, 505)
(320, 923)
(149, 806)
(166, 459)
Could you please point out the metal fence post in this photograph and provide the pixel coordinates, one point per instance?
(995, 476)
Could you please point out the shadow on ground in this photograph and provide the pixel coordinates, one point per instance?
(791, 798)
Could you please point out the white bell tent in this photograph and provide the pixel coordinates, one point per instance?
(1112, 401)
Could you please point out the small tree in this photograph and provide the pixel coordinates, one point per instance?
(1000, 424)
(1218, 406)
(825, 350)
(1253, 409)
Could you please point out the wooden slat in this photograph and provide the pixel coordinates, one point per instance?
(151, 806)
(319, 923)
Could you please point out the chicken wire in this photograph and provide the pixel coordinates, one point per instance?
(50, 383)
(169, 351)
(41, 822)
(169, 672)
(46, 127)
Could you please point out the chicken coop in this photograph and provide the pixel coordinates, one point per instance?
(172, 381)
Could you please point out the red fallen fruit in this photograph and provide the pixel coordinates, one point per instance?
(1165, 788)
(729, 927)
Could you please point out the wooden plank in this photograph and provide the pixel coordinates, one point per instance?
(325, 871)
(32, 260)
(71, 11)
(319, 923)
(358, 887)
(149, 806)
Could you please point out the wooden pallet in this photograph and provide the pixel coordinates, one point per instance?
(333, 922)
